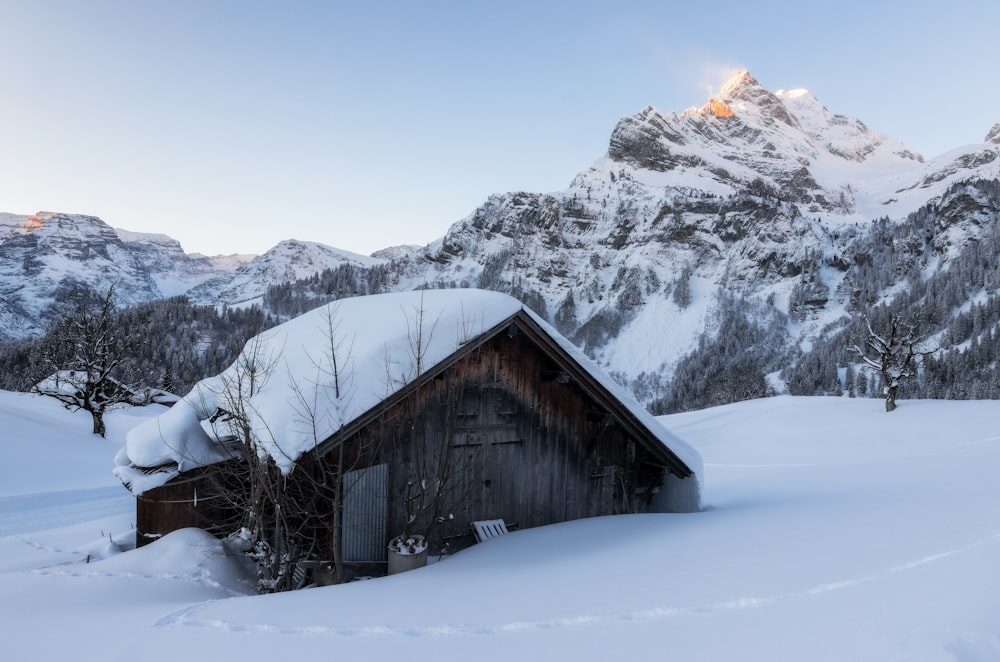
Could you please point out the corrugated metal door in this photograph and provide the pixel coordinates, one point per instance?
(366, 512)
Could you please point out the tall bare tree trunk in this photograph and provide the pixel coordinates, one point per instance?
(890, 397)
(98, 424)
(338, 518)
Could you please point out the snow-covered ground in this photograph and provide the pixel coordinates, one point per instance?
(832, 531)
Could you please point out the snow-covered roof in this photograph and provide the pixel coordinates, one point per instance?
(303, 381)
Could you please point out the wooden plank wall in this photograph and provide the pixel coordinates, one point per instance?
(186, 501)
(525, 444)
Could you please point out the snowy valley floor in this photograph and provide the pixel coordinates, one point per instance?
(831, 531)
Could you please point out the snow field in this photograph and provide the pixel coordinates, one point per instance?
(832, 531)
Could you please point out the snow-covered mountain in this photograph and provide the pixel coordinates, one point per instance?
(754, 193)
(174, 271)
(748, 136)
(46, 256)
(768, 197)
(290, 260)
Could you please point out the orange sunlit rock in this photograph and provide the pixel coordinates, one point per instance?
(34, 223)
(719, 108)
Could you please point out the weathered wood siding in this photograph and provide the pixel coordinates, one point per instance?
(188, 500)
(521, 442)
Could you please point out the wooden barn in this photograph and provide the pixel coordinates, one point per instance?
(496, 417)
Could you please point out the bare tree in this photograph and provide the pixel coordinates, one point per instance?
(332, 390)
(430, 482)
(267, 506)
(433, 462)
(281, 515)
(87, 358)
(419, 335)
(285, 517)
(895, 355)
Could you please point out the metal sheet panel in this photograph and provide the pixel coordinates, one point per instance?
(366, 512)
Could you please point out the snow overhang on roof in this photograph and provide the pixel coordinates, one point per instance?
(303, 382)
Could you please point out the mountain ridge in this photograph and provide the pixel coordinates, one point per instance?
(764, 196)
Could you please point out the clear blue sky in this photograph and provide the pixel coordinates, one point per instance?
(232, 125)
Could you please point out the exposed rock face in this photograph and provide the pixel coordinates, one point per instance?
(648, 141)
(174, 271)
(718, 108)
(994, 135)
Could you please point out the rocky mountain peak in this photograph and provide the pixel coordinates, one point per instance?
(743, 93)
(739, 81)
(51, 222)
(994, 135)
(741, 85)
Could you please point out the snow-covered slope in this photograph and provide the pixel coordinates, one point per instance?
(905, 193)
(832, 532)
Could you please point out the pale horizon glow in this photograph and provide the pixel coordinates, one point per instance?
(231, 126)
